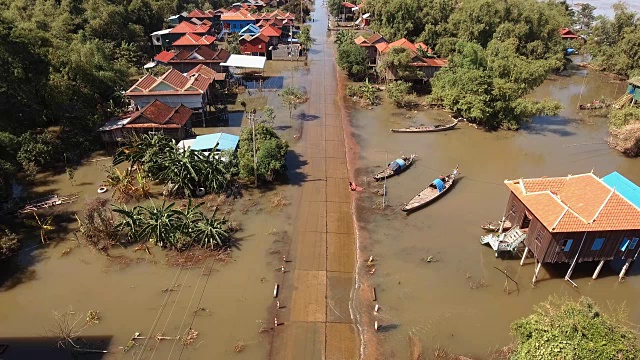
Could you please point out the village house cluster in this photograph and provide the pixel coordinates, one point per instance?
(192, 48)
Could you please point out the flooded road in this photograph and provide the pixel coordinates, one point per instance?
(433, 278)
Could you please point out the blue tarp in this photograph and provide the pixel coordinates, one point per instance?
(401, 163)
(217, 141)
(624, 187)
(439, 185)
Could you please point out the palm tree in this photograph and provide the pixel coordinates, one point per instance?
(211, 232)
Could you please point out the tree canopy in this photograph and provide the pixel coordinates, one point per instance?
(352, 58)
(564, 329)
(270, 153)
(614, 43)
(487, 85)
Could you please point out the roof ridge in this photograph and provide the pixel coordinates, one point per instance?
(603, 205)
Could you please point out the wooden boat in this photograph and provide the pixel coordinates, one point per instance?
(395, 168)
(494, 226)
(427, 128)
(431, 193)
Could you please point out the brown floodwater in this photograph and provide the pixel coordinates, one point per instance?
(457, 300)
(232, 299)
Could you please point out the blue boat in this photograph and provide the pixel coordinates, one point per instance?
(395, 167)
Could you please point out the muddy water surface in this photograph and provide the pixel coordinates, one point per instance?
(226, 304)
(433, 278)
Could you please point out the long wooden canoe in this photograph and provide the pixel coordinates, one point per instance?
(427, 128)
(494, 226)
(430, 193)
(389, 171)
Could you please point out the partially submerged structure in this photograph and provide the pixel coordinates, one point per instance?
(576, 218)
(156, 117)
(215, 143)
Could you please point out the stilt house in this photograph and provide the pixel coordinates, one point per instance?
(577, 218)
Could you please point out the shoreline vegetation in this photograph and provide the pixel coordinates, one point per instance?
(498, 52)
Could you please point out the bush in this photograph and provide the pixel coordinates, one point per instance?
(270, 153)
(9, 244)
(619, 118)
(42, 150)
(97, 225)
(365, 92)
(563, 329)
(399, 92)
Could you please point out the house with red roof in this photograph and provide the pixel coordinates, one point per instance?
(191, 41)
(186, 60)
(567, 34)
(420, 58)
(254, 45)
(576, 218)
(173, 88)
(155, 117)
(273, 33)
(370, 43)
(347, 10)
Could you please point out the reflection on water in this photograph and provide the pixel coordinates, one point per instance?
(457, 299)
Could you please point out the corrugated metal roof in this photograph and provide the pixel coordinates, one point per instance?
(217, 141)
(624, 187)
(245, 61)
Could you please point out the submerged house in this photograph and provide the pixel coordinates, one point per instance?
(372, 44)
(186, 60)
(215, 143)
(427, 66)
(156, 117)
(576, 218)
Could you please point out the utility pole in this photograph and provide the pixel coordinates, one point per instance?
(252, 119)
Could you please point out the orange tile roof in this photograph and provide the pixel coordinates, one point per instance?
(188, 27)
(576, 203)
(164, 56)
(402, 43)
(194, 39)
(361, 41)
(160, 115)
(179, 83)
(271, 31)
(206, 71)
(241, 14)
(197, 13)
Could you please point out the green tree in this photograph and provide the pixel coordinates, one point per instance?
(564, 329)
(585, 15)
(9, 244)
(334, 7)
(619, 118)
(210, 232)
(233, 43)
(487, 86)
(397, 61)
(353, 60)
(9, 165)
(399, 92)
(614, 42)
(268, 116)
(292, 97)
(271, 152)
(304, 37)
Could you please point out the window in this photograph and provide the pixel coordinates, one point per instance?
(634, 242)
(565, 245)
(597, 244)
(526, 221)
(514, 207)
(625, 244)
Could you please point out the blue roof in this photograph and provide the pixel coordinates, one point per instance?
(250, 29)
(624, 187)
(217, 141)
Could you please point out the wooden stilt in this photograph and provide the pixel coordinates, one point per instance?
(524, 256)
(535, 275)
(597, 272)
(624, 270)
